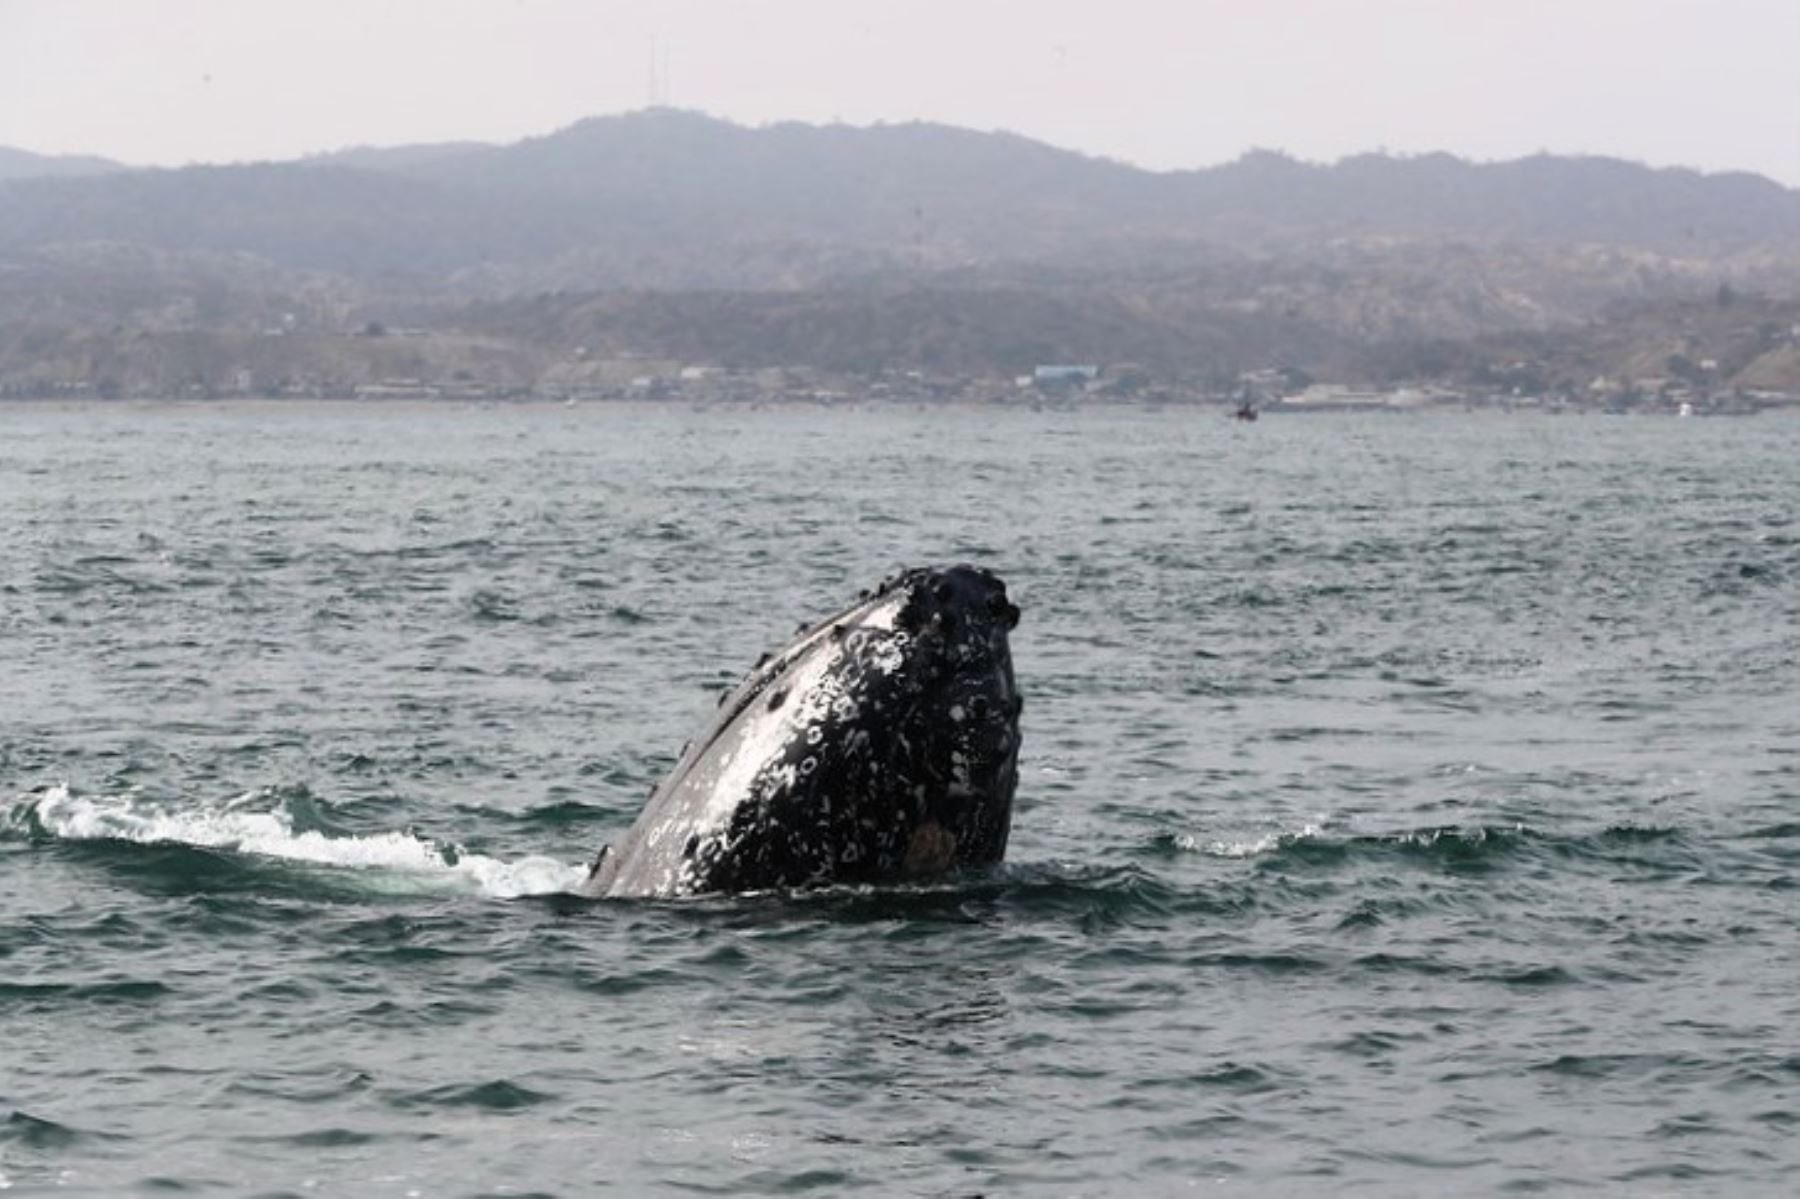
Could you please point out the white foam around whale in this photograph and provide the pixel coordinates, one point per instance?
(1252, 847)
(404, 858)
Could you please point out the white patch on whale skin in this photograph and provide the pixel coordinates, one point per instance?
(813, 685)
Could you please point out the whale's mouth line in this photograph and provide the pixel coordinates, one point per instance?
(769, 668)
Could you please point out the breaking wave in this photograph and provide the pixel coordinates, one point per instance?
(256, 827)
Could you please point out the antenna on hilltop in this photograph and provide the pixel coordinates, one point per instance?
(659, 75)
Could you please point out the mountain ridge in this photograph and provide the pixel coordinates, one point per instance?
(603, 189)
(914, 244)
(372, 155)
(25, 164)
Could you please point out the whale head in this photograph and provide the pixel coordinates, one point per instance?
(879, 744)
(959, 672)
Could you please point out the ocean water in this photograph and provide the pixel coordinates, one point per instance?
(1408, 805)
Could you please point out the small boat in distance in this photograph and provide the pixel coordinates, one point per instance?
(1246, 409)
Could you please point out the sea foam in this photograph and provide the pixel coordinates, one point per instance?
(403, 857)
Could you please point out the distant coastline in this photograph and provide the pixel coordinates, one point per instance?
(965, 393)
(1700, 357)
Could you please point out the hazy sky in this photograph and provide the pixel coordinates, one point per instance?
(1707, 83)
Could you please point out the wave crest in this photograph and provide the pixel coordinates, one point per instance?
(242, 827)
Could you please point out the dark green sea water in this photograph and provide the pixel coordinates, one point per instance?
(1407, 806)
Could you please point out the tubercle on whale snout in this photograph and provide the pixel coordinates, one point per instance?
(937, 598)
(959, 592)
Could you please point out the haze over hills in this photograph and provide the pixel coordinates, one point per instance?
(671, 234)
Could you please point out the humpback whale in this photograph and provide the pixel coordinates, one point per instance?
(879, 744)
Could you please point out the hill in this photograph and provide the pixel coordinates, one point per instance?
(910, 245)
(22, 164)
(673, 199)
